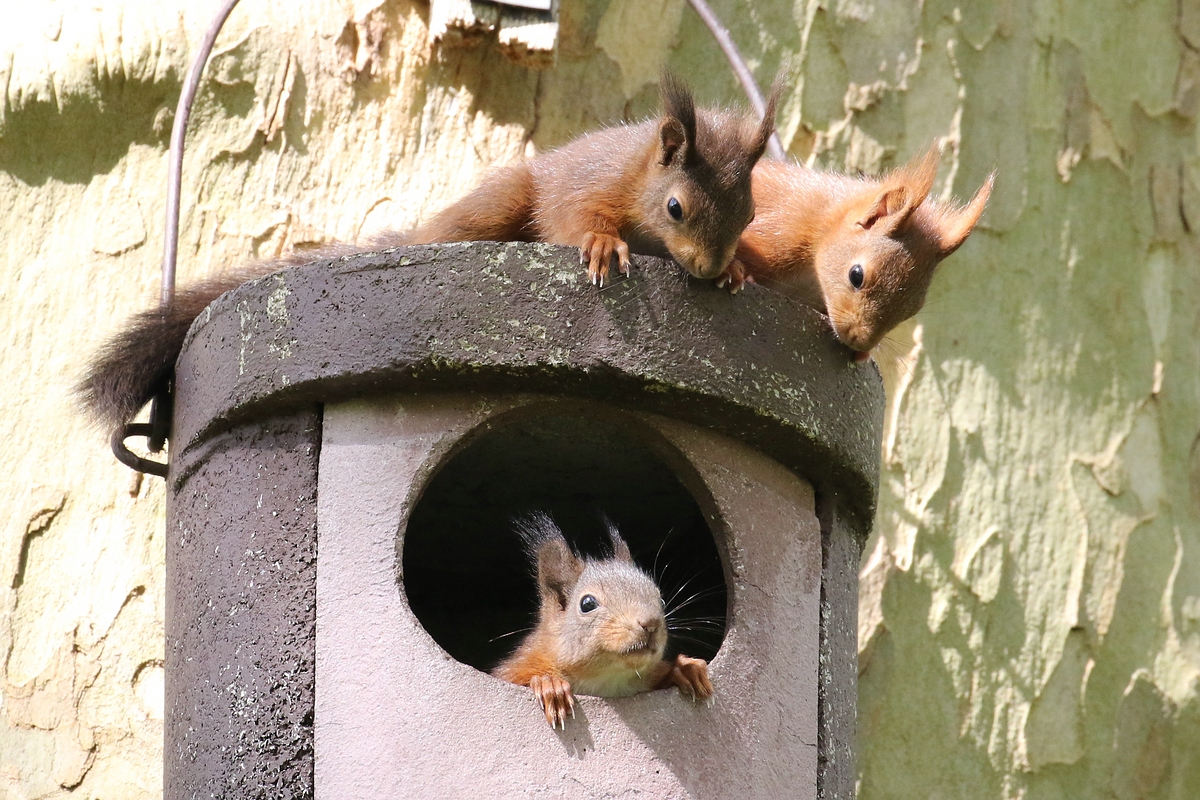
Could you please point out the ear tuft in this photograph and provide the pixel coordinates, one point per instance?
(677, 131)
(558, 568)
(757, 143)
(919, 173)
(955, 225)
(619, 547)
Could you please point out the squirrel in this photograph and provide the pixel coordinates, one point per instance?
(677, 187)
(862, 251)
(601, 628)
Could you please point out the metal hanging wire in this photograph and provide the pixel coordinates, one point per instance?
(183, 110)
(740, 69)
(156, 430)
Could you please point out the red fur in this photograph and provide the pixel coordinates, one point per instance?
(812, 227)
(533, 658)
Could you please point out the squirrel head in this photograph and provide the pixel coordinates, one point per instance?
(605, 613)
(698, 191)
(878, 261)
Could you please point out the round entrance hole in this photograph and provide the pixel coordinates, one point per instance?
(465, 572)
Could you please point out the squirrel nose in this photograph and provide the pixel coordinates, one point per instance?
(855, 335)
(650, 625)
(710, 268)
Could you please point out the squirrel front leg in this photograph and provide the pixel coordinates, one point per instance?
(690, 675)
(599, 244)
(556, 697)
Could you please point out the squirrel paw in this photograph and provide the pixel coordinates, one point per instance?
(597, 251)
(734, 277)
(691, 676)
(556, 698)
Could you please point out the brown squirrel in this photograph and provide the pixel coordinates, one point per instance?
(862, 251)
(677, 187)
(601, 629)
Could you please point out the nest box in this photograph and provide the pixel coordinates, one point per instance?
(351, 442)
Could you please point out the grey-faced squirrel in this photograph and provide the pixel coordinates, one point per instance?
(601, 628)
(676, 187)
(861, 250)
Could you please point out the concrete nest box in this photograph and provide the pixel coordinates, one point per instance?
(352, 440)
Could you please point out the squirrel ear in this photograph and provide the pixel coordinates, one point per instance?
(672, 140)
(757, 143)
(889, 211)
(558, 570)
(956, 224)
(902, 192)
(677, 131)
(620, 548)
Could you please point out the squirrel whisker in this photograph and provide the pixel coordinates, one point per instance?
(694, 598)
(681, 622)
(510, 633)
(658, 552)
(601, 627)
(695, 640)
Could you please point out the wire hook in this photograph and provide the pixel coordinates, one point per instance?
(161, 406)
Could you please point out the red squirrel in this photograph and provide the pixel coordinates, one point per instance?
(677, 187)
(601, 629)
(861, 250)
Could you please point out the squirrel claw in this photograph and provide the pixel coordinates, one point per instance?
(556, 699)
(691, 676)
(734, 277)
(597, 253)
(623, 263)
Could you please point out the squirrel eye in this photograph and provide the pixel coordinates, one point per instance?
(674, 209)
(588, 603)
(856, 276)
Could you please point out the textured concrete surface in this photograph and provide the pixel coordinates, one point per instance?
(397, 717)
(524, 318)
(837, 693)
(241, 581)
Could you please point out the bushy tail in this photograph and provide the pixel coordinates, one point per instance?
(137, 362)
